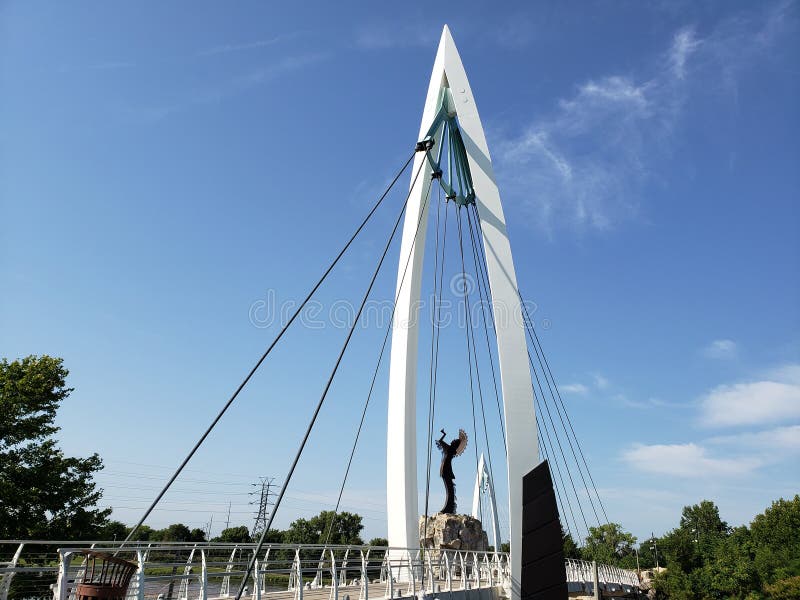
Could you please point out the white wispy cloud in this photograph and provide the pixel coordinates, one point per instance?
(721, 350)
(782, 439)
(686, 460)
(233, 86)
(253, 45)
(647, 403)
(600, 382)
(382, 36)
(585, 163)
(773, 399)
(683, 45)
(574, 388)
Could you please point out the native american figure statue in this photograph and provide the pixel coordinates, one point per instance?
(449, 452)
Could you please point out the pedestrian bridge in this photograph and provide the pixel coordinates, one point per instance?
(208, 571)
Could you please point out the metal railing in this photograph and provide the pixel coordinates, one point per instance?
(581, 577)
(187, 571)
(34, 570)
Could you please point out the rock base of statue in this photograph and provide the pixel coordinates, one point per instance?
(452, 532)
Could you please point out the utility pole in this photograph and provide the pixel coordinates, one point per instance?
(208, 527)
(265, 501)
(228, 519)
(654, 547)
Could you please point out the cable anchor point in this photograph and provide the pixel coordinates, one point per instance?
(424, 145)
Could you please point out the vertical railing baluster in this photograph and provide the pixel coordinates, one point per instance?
(256, 581)
(334, 595)
(203, 576)
(5, 582)
(448, 568)
(60, 593)
(363, 593)
(140, 559)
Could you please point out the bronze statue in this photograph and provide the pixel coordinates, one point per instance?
(449, 452)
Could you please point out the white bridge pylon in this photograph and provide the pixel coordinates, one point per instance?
(520, 424)
(484, 484)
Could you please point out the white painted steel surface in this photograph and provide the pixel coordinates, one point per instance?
(485, 485)
(520, 424)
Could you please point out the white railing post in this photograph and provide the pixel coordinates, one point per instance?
(390, 576)
(411, 574)
(463, 565)
(334, 595)
(363, 593)
(203, 576)
(343, 573)
(298, 569)
(256, 581)
(225, 588)
(5, 580)
(264, 565)
(429, 566)
(596, 580)
(183, 591)
(448, 568)
(141, 559)
(64, 558)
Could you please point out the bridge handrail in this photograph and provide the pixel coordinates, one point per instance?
(216, 568)
(298, 566)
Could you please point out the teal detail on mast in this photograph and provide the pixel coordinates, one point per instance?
(456, 180)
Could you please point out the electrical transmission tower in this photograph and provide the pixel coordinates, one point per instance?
(267, 484)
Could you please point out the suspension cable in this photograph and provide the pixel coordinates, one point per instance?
(467, 321)
(546, 454)
(325, 391)
(377, 366)
(543, 360)
(478, 377)
(263, 357)
(541, 389)
(434, 361)
(479, 249)
(551, 452)
(484, 301)
(569, 439)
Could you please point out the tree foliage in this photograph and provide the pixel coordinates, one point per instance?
(234, 535)
(611, 545)
(44, 493)
(346, 529)
(705, 558)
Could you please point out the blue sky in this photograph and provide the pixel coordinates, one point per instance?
(167, 169)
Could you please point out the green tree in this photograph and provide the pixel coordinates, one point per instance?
(234, 535)
(178, 532)
(378, 541)
(346, 529)
(113, 530)
(785, 589)
(610, 544)
(731, 573)
(776, 540)
(44, 494)
(571, 549)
